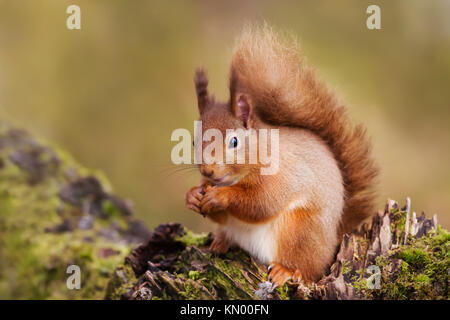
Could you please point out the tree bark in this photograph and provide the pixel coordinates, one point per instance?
(384, 259)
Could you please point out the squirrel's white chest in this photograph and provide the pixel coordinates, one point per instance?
(257, 239)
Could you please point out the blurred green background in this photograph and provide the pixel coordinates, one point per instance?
(112, 93)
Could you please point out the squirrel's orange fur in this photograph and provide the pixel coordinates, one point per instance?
(324, 188)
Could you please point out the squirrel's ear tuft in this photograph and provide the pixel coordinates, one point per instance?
(201, 87)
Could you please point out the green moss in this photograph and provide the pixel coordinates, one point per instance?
(33, 258)
(190, 292)
(422, 278)
(382, 261)
(192, 239)
(283, 292)
(110, 209)
(424, 269)
(359, 282)
(418, 270)
(122, 280)
(194, 275)
(346, 267)
(414, 256)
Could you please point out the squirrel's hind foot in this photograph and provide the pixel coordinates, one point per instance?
(220, 244)
(280, 275)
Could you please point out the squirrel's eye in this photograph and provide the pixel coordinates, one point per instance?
(193, 143)
(233, 142)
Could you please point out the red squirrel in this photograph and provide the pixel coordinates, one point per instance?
(292, 220)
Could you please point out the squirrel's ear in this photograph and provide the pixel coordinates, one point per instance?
(201, 87)
(241, 104)
(242, 109)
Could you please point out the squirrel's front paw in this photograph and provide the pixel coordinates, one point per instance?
(214, 200)
(193, 198)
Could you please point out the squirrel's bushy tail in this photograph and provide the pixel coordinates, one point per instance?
(285, 91)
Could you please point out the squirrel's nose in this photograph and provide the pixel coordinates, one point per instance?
(207, 172)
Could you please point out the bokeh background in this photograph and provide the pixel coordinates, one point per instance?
(112, 93)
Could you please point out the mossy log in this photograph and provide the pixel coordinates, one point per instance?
(55, 213)
(391, 258)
